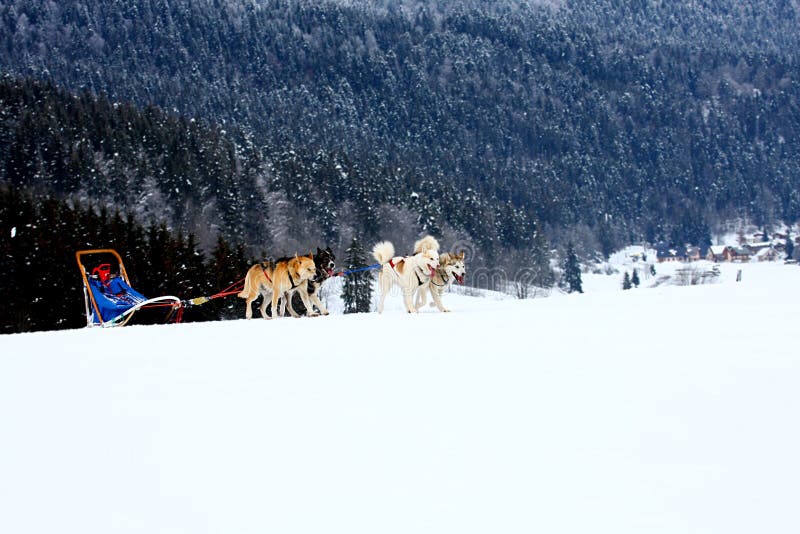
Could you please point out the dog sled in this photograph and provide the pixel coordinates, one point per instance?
(108, 296)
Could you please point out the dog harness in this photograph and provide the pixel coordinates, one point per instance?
(263, 270)
(419, 280)
(439, 285)
(392, 264)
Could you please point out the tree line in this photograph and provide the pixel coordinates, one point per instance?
(196, 178)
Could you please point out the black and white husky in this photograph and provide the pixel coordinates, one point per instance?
(325, 262)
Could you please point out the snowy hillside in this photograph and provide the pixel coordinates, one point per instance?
(667, 409)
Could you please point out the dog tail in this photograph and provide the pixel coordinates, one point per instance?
(383, 252)
(245, 292)
(425, 244)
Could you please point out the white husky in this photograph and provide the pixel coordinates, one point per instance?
(409, 272)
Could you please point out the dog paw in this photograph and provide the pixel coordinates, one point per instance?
(326, 313)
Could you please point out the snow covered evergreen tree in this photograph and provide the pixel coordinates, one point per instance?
(626, 281)
(635, 278)
(357, 288)
(543, 275)
(572, 272)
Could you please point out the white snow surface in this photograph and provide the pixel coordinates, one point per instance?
(667, 409)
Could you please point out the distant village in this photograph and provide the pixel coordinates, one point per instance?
(757, 247)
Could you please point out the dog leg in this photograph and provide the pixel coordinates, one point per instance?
(422, 296)
(386, 283)
(437, 299)
(318, 303)
(248, 309)
(288, 300)
(264, 302)
(276, 296)
(407, 297)
(307, 303)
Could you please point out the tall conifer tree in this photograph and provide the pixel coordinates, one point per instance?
(357, 288)
(572, 272)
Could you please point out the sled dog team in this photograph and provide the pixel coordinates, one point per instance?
(425, 271)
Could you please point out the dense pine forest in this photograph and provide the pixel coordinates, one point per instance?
(508, 128)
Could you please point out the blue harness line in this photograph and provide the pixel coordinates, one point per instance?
(351, 271)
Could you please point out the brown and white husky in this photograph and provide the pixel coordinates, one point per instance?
(451, 268)
(277, 278)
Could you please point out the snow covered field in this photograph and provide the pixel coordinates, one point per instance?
(668, 409)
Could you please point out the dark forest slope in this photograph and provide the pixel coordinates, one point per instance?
(629, 119)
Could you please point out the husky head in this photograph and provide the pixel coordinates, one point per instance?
(425, 244)
(325, 262)
(453, 265)
(304, 266)
(429, 260)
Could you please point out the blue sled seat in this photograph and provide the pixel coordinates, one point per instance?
(113, 298)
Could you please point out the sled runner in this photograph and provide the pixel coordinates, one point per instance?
(108, 296)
